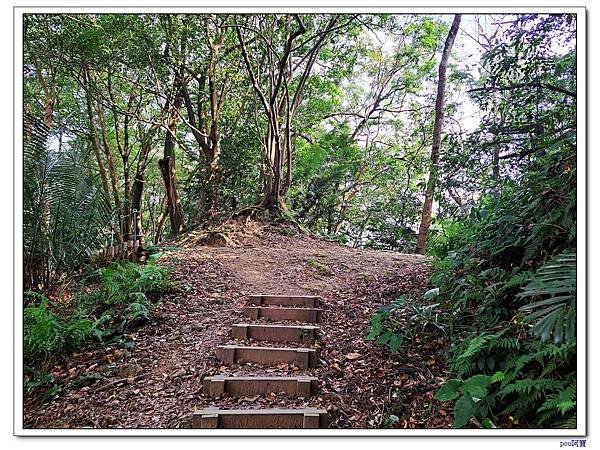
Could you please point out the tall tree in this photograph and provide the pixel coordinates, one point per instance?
(289, 63)
(209, 83)
(174, 56)
(437, 138)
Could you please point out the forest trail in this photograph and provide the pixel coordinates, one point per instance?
(154, 379)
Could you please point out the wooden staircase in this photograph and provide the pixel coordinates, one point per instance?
(274, 308)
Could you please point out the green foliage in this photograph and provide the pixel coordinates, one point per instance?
(64, 214)
(123, 296)
(473, 401)
(319, 267)
(392, 324)
(385, 327)
(516, 246)
(555, 280)
(45, 334)
(124, 282)
(508, 269)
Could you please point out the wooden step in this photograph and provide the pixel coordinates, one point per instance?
(218, 385)
(260, 418)
(275, 333)
(309, 315)
(306, 301)
(303, 358)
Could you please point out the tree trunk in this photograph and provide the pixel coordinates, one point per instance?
(96, 144)
(111, 164)
(138, 183)
(437, 138)
(164, 213)
(167, 170)
(175, 211)
(49, 96)
(126, 200)
(273, 198)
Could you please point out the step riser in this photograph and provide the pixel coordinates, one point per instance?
(248, 386)
(308, 315)
(274, 334)
(282, 300)
(260, 419)
(302, 358)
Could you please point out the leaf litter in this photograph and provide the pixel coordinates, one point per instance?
(157, 382)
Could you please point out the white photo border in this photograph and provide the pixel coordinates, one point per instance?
(582, 260)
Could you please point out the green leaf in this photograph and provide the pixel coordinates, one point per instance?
(392, 419)
(449, 391)
(384, 338)
(396, 342)
(487, 423)
(498, 376)
(543, 329)
(431, 293)
(463, 411)
(476, 386)
(374, 331)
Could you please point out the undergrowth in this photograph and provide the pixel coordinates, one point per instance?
(505, 292)
(122, 298)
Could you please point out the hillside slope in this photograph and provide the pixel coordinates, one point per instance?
(155, 381)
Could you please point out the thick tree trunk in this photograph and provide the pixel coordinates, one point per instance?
(437, 138)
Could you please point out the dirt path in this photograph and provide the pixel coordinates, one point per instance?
(156, 383)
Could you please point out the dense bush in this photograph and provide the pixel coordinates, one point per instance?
(508, 274)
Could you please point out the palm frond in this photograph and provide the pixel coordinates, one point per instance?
(554, 288)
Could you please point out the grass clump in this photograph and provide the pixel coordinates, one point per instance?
(319, 267)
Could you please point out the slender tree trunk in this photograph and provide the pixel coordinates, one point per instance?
(111, 162)
(161, 220)
(126, 200)
(138, 183)
(216, 100)
(49, 97)
(437, 138)
(96, 146)
(167, 170)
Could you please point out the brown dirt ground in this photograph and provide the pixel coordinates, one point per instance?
(157, 382)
